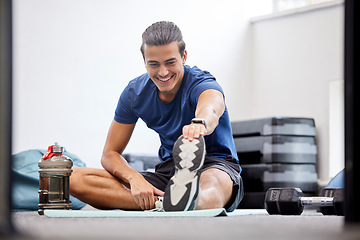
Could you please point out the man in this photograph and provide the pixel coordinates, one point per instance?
(185, 106)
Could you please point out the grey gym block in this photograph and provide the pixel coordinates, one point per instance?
(274, 125)
(307, 181)
(276, 149)
(260, 177)
(256, 171)
(142, 162)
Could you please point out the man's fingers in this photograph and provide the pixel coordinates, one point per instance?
(151, 202)
(146, 203)
(144, 194)
(193, 131)
(186, 131)
(203, 131)
(158, 192)
(139, 202)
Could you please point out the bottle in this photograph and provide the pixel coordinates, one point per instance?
(54, 170)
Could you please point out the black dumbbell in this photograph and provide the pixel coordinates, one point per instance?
(338, 194)
(291, 201)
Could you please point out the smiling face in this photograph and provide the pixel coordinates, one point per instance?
(164, 65)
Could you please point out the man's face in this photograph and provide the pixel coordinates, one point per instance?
(164, 65)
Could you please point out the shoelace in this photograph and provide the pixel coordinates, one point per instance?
(158, 206)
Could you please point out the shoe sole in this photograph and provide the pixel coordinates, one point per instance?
(181, 193)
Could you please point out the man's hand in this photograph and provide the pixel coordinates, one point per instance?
(144, 193)
(194, 131)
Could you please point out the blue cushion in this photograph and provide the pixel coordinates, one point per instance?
(337, 181)
(25, 179)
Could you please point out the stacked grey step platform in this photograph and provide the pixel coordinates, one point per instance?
(142, 163)
(275, 152)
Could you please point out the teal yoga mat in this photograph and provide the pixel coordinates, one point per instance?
(120, 213)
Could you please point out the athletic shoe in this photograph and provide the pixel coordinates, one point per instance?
(182, 191)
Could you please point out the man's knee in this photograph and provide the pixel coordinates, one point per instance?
(216, 178)
(216, 188)
(76, 179)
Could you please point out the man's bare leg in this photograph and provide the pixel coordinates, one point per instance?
(100, 189)
(216, 189)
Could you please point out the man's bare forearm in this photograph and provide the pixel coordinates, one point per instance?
(116, 165)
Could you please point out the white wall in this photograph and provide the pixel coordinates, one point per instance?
(295, 59)
(72, 58)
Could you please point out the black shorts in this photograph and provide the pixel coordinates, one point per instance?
(165, 170)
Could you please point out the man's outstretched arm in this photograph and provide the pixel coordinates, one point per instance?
(210, 107)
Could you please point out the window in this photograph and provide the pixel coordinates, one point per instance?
(282, 5)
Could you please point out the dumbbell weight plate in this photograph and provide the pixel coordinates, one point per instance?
(338, 202)
(271, 197)
(289, 201)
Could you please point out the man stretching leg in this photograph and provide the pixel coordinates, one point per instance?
(185, 106)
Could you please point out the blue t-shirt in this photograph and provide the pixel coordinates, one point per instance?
(140, 100)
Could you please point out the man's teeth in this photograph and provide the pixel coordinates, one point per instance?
(164, 79)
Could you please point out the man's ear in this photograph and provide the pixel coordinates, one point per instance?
(184, 57)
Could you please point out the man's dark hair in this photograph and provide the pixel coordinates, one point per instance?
(162, 33)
